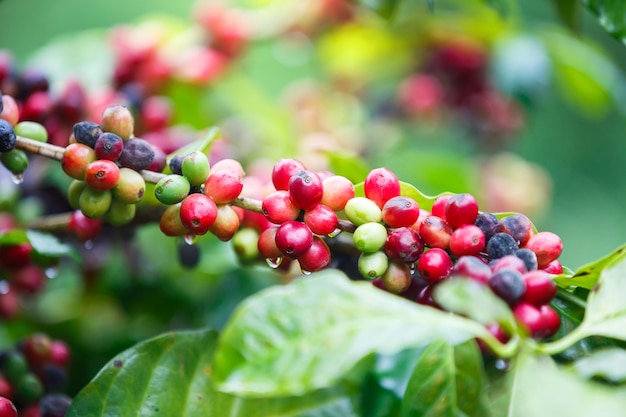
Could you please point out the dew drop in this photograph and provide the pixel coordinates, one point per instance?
(88, 244)
(17, 178)
(190, 239)
(334, 233)
(502, 365)
(305, 272)
(412, 267)
(51, 272)
(274, 262)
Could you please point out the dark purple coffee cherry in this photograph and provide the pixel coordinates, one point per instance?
(188, 255)
(488, 223)
(54, 405)
(176, 164)
(109, 146)
(137, 154)
(404, 245)
(87, 133)
(529, 257)
(7, 136)
(517, 225)
(501, 244)
(508, 284)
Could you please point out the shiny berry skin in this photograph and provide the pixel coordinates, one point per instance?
(373, 265)
(283, 170)
(176, 164)
(425, 297)
(381, 185)
(547, 246)
(439, 206)
(403, 245)
(461, 209)
(488, 223)
(553, 267)
(171, 223)
(551, 321)
(321, 219)
(119, 120)
(471, 267)
(197, 213)
(305, 189)
(517, 225)
(109, 146)
(508, 262)
(10, 111)
(293, 238)
(226, 224)
(8, 138)
(278, 207)
(369, 237)
(172, 189)
(435, 232)
(15, 161)
(316, 258)
(361, 210)
(75, 159)
(137, 154)
(267, 244)
(231, 165)
(467, 240)
(159, 162)
(529, 316)
(397, 277)
(6, 390)
(528, 257)
(501, 244)
(32, 130)
(400, 211)
(223, 186)
(83, 227)
(540, 288)
(509, 285)
(195, 167)
(338, 190)
(7, 409)
(434, 265)
(130, 188)
(87, 133)
(102, 175)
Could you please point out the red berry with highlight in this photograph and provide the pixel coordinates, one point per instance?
(102, 175)
(547, 246)
(306, 189)
(283, 170)
(197, 213)
(381, 185)
(278, 207)
(435, 232)
(293, 239)
(400, 211)
(467, 240)
(317, 257)
(461, 209)
(223, 186)
(434, 265)
(321, 219)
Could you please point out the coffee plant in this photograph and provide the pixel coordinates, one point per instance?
(168, 249)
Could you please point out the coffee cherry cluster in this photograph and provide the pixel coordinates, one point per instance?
(104, 160)
(33, 375)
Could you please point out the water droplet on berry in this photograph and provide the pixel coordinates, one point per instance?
(17, 178)
(412, 267)
(274, 262)
(88, 244)
(190, 239)
(304, 272)
(502, 365)
(4, 287)
(51, 272)
(335, 233)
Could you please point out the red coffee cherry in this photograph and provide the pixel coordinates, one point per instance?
(435, 232)
(467, 240)
(283, 170)
(223, 186)
(434, 265)
(75, 159)
(400, 211)
(316, 258)
(278, 207)
(337, 192)
(230, 165)
(547, 246)
(7, 409)
(197, 213)
(540, 288)
(293, 239)
(305, 190)
(226, 224)
(171, 223)
(15, 256)
(321, 219)
(461, 209)
(267, 244)
(119, 120)
(553, 267)
(397, 278)
(83, 227)
(60, 353)
(29, 279)
(439, 206)
(471, 267)
(403, 245)
(102, 175)
(109, 146)
(508, 262)
(517, 225)
(380, 185)
(551, 321)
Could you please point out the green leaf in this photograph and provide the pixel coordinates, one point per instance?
(537, 387)
(447, 381)
(169, 376)
(385, 8)
(348, 165)
(13, 237)
(569, 12)
(50, 246)
(609, 364)
(424, 201)
(474, 300)
(611, 14)
(324, 323)
(587, 275)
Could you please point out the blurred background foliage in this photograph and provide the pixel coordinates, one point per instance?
(332, 91)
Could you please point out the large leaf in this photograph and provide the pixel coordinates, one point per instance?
(447, 381)
(536, 387)
(569, 12)
(587, 275)
(611, 14)
(308, 334)
(50, 246)
(609, 364)
(169, 376)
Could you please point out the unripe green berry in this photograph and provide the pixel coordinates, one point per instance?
(196, 167)
(14, 366)
(172, 189)
(370, 237)
(373, 265)
(130, 188)
(74, 191)
(29, 388)
(245, 244)
(15, 161)
(361, 210)
(120, 213)
(31, 130)
(94, 203)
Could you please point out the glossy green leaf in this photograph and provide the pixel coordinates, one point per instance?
(608, 364)
(169, 375)
(447, 381)
(537, 387)
(350, 166)
(587, 276)
(474, 300)
(611, 14)
(50, 246)
(13, 237)
(324, 323)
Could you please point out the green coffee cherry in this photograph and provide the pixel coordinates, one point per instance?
(15, 161)
(14, 366)
(196, 167)
(373, 265)
(130, 188)
(120, 213)
(29, 388)
(74, 191)
(172, 189)
(94, 203)
(361, 210)
(31, 130)
(245, 244)
(370, 237)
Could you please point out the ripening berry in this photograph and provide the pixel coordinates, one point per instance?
(37, 349)
(321, 219)
(529, 316)
(434, 265)
(278, 208)
(551, 321)
(361, 210)
(400, 211)
(293, 238)
(119, 120)
(337, 192)
(60, 353)
(226, 223)
(435, 232)
(109, 146)
(373, 265)
(130, 188)
(15, 256)
(8, 138)
(316, 258)
(553, 267)
(29, 279)
(397, 277)
(380, 185)
(198, 212)
(547, 246)
(245, 244)
(196, 167)
(305, 189)
(7, 409)
(170, 222)
(517, 225)
(508, 262)
(159, 162)
(283, 170)
(223, 186)
(75, 159)
(369, 237)
(230, 165)
(102, 174)
(461, 209)
(488, 223)
(528, 257)
(10, 110)
(467, 240)
(175, 164)
(540, 288)
(267, 244)
(404, 245)
(94, 203)
(172, 189)
(87, 133)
